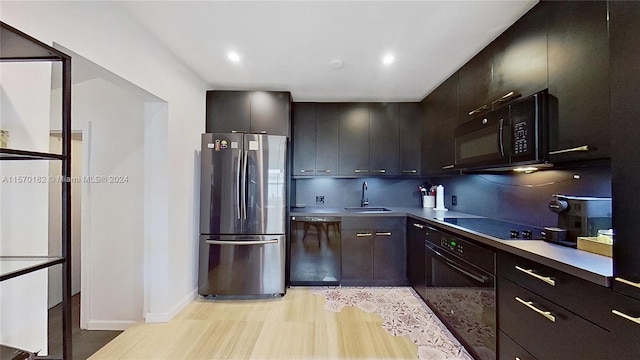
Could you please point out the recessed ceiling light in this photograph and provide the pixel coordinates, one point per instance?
(233, 56)
(388, 59)
(336, 64)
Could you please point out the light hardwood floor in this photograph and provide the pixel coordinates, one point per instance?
(294, 327)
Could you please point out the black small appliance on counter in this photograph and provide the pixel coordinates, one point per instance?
(578, 216)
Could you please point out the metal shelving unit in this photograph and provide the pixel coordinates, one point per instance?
(16, 46)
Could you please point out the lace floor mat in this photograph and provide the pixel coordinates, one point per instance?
(403, 313)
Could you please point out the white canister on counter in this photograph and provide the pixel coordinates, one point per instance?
(428, 201)
(440, 199)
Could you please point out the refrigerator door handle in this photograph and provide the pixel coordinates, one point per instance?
(245, 169)
(250, 242)
(238, 176)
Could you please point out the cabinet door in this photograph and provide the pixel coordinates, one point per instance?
(440, 112)
(625, 332)
(509, 349)
(416, 235)
(354, 139)
(389, 255)
(357, 256)
(410, 138)
(474, 90)
(327, 125)
(384, 149)
(228, 111)
(579, 78)
(270, 112)
(625, 132)
(545, 329)
(520, 56)
(304, 139)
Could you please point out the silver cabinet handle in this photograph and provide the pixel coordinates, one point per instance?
(412, 171)
(358, 171)
(250, 242)
(546, 279)
(259, 132)
(383, 234)
(324, 171)
(575, 149)
(529, 304)
(363, 234)
(419, 226)
(479, 110)
(238, 132)
(634, 284)
(506, 97)
(501, 137)
(625, 316)
(448, 167)
(380, 171)
(306, 170)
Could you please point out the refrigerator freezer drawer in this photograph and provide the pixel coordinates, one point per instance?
(242, 265)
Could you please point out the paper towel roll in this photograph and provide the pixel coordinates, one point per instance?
(440, 198)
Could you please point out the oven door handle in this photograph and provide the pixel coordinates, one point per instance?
(478, 277)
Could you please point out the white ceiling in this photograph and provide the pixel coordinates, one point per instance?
(287, 45)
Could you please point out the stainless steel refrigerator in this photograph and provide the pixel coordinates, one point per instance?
(242, 214)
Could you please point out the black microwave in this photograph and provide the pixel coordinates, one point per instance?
(514, 135)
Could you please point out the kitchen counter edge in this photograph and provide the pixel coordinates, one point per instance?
(591, 267)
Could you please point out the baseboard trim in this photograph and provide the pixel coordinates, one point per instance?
(110, 325)
(151, 317)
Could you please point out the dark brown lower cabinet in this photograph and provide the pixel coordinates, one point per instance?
(509, 349)
(373, 251)
(625, 327)
(545, 329)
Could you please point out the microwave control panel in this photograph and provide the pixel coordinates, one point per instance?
(520, 138)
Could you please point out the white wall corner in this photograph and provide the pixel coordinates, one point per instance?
(161, 317)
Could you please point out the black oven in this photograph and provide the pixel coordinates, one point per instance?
(513, 135)
(460, 279)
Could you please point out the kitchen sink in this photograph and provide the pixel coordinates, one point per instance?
(366, 209)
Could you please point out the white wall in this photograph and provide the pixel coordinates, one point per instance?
(24, 112)
(97, 31)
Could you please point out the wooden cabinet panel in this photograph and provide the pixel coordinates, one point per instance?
(354, 139)
(520, 56)
(304, 139)
(328, 123)
(270, 112)
(474, 85)
(416, 235)
(556, 286)
(357, 256)
(546, 330)
(410, 138)
(625, 132)
(625, 332)
(578, 47)
(248, 111)
(440, 113)
(228, 111)
(384, 155)
(509, 349)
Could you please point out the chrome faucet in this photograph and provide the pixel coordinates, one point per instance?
(364, 201)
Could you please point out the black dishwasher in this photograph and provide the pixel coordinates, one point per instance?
(315, 250)
(460, 289)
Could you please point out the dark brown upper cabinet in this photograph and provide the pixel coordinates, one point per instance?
(520, 58)
(315, 139)
(410, 139)
(354, 139)
(262, 112)
(440, 111)
(384, 132)
(474, 80)
(579, 79)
